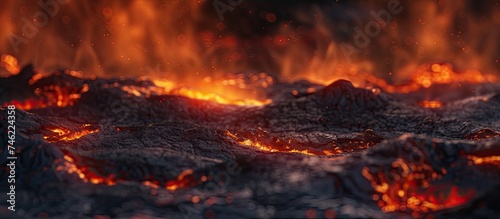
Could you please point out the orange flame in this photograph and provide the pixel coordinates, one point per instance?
(9, 63)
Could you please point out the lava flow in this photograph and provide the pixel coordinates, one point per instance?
(88, 174)
(414, 188)
(60, 134)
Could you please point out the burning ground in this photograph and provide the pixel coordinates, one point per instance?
(132, 147)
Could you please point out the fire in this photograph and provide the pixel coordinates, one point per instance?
(432, 104)
(233, 90)
(412, 189)
(444, 74)
(9, 63)
(427, 75)
(167, 87)
(60, 134)
(281, 146)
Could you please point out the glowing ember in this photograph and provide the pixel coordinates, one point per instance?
(66, 135)
(281, 146)
(9, 63)
(431, 104)
(410, 189)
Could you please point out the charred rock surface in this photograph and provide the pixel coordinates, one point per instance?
(339, 151)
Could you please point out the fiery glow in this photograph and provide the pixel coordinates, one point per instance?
(217, 88)
(184, 180)
(60, 134)
(411, 188)
(217, 98)
(281, 146)
(69, 166)
(425, 76)
(482, 134)
(494, 160)
(27, 104)
(52, 95)
(432, 104)
(166, 87)
(9, 63)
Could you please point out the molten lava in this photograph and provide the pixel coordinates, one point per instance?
(86, 174)
(413, 188)
(280, 145)
(60, 134)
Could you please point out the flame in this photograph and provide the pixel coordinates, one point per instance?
(10, 64)
(232, 90)
(166, 87)
(283, 146)
(137, 39)
(66, 135)
(412, 189)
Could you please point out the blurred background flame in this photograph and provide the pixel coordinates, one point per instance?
(186, 41)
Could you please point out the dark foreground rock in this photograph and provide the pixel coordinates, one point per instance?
(341, 152)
